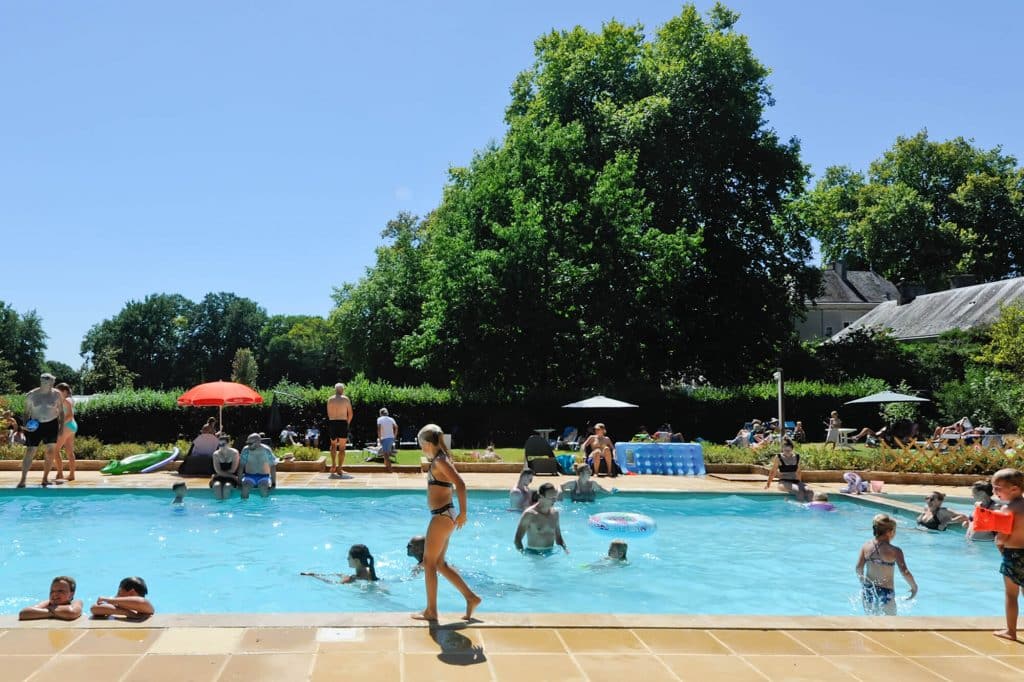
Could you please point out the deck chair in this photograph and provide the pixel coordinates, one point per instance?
(569, 440)
(790, 428)
(539, 456)
(407, 439)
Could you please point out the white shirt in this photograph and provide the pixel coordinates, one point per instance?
(388, 427)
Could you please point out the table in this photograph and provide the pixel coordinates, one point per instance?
(844, 438)
(544, 433)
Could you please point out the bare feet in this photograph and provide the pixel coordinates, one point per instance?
(20, 485)
(1006, 634)
(471, 605)
(334, 471)
(432, 617)
(71, 478)
(45, 483)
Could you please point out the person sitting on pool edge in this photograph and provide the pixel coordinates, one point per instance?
(520, 496)
(540, 524)
(226, 463)
(61, 605)
(359, 558)
(878, 590)
(584, 488)
(937, 517)
(130, 602)
(258, 467)
(786, 466)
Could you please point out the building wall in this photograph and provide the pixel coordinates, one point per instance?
(827, 319)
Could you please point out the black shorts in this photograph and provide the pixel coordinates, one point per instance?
(46, 433)
(338, 428)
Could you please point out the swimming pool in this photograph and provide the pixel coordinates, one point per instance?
(712, 554)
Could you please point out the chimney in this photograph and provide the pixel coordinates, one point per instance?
(840, 269)
(908, 291)
(960, 281)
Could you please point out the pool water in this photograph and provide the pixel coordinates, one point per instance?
(711, 554)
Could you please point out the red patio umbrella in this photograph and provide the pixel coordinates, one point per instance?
(218, 394)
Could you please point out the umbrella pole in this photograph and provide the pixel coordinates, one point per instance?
(220, 416)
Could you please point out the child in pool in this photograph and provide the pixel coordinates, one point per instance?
(881, 557)
(180, 489)
(981, 491)
(1008, 486)
(617, 550)
(821, 503)
(359, 558)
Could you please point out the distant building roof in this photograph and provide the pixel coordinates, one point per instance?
(839, 285)
(929, 315)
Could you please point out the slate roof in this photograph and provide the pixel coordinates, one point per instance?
(929, 315)
(860, 286)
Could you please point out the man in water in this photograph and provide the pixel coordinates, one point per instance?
(415, 548)
(258, 467)
(539, 523)
(46, 406)
(339, 416)
(61, 605)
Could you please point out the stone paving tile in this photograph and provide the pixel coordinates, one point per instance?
(447, 667)
(18, 668)
(680, 641)
(827, 642)
(619, 667)
(535, 668)
(760, 642)
(883, 668)
(37, 641)
(171, 668)
(356, 666)
(198, 641)
(114, 641)
(449, 641)
(66, 667)
(269, 640)
(338, 640)
(522, 640)
(970, 669)
(984, 642)
(919, 644)
(587, 641)
(276, 667)
(799, 668)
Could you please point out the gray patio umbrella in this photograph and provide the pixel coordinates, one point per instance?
(599, 402)
(887, 397)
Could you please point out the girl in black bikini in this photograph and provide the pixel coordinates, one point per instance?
(441, 479)
(787, 468)
(937, 517)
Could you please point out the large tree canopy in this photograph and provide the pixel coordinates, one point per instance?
(22, 343)
(924, 211)
(625, 230)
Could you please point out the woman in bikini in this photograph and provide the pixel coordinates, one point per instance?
(937, 517)
(442, 478)
(66, 439)
(786, 468)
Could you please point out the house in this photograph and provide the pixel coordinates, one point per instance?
(845, 297)
(916, 316)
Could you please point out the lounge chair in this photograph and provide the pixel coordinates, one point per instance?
(569, 440)
(407, 439)
(539, 456)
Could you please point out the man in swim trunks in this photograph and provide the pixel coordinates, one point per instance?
(258, 467)
(878, 590)
(339, 417)
(540, 524)
(1008, 486)
(45, 405)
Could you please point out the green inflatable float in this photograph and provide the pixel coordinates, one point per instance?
(144, 463)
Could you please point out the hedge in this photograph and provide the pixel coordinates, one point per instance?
(711, 413)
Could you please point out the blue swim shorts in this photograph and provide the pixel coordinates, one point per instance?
(255, 479)
(387, 445)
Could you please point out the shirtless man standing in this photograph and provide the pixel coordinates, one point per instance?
(339, 416)
(540, 525)
(45, 405)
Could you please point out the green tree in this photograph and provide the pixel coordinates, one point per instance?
(243, 367)
(7, 381)
(222, 324)
(372, 316)
(1005, 350)
(63, 372)
(925, 211)
(151, 336)
(105, 372)
(22, 344)
(295, 347)
(626, 229)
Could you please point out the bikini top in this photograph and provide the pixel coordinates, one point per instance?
(876, 558)
(931, 524)
(430, 475)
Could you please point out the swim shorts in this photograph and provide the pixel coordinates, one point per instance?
(875, 597)
(1013, 565)
(338, 428)
(255, 479)
(540, 551)
(387, 445)
(46, 433)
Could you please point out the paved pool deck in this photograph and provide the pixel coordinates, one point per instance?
(535, 647)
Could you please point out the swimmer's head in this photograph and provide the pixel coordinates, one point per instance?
(132, 584)
(882, 525)
(1004, 483)
(821, 497)
(582, 470)
(617, 550)
(359, 555)
(936, 497)
(981, 491)
(547, 492)
(180, 489)
(525, 477)
(62, 589)
(415, 547)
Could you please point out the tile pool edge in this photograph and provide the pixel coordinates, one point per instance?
(526, 620)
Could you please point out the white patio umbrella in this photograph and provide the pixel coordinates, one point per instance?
(599, 402)
(887, 397)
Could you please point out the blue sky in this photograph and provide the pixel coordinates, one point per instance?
(260, 147)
